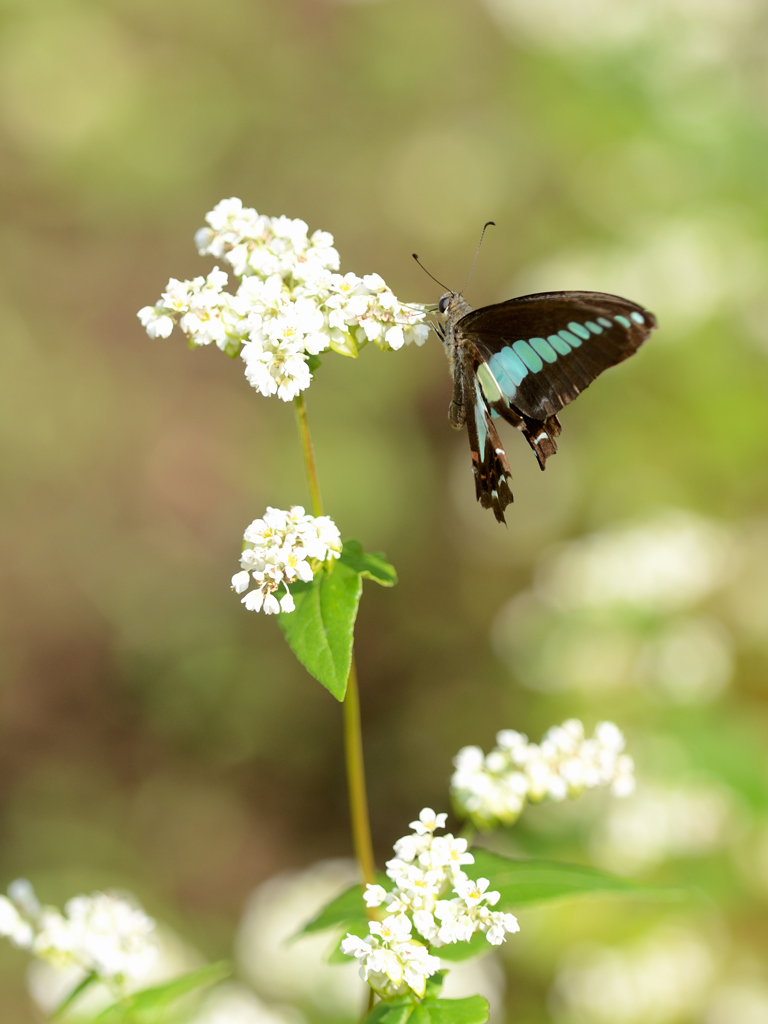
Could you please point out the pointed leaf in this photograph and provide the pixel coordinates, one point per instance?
(521, 882)
(321, 629)
(144, 1006)
(347, 908)
(373, 566)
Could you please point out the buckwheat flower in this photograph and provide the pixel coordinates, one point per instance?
(432, 894)
(13, 926)
(473, 893)
(374, 895)
(461, 918)
(492, 789)
(447, 852)
(291, 303)
(102, 933)
(428, 822)
(390, 960)
(281, 548)
(500, 925)
(155, 321)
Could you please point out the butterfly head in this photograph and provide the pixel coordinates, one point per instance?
(452, 307)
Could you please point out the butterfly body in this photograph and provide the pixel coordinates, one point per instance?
(522, 361)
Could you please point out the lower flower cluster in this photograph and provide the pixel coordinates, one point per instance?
(102, 933)
(492, 789)
(426, 869)
(279, 549)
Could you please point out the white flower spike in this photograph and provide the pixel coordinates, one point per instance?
(492, 789)
(101, 933)
(426, 870)
(290, 303)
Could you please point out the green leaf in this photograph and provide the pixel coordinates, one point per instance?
(521, 882)
(144, 1006)
(314, 362)
(390, 1013)
(435, 984)
(321, 629)
(372, 566)
(456, 951)
(346, 909)
(473, 1010)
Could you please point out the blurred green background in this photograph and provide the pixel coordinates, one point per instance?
(154, 735)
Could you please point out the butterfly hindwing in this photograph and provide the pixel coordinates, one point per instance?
(490, 465)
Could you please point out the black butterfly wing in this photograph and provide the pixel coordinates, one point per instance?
(545, 349)
(525, 359)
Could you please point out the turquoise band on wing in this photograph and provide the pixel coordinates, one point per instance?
(559, 344)
(570, 339)
(544, 349)
(508, 369)
(578, 329)
(482, 429)
(531, 359)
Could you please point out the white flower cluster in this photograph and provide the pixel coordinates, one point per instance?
(291, 302)
(279, 549)
(427, 867)
(492, 789)
(101, 933)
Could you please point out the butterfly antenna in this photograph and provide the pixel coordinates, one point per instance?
(428, 273)
(488, 224)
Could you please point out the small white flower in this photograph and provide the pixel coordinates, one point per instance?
(473, 893)
(282, 547)
(155, 321)
(13, 926)
(501, 925)
(428, 822)
(390, 960)
(240, 582)
(374, 895)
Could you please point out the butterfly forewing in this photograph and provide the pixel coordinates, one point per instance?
(543, 350)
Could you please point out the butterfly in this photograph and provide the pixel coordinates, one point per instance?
(523, 360)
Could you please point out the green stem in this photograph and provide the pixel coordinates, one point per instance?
(358, 801)
(353, 737)
(309, 455)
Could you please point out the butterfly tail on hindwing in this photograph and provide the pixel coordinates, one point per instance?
(541, 436)
(489, 460)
